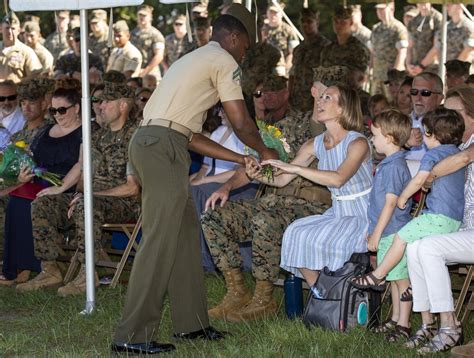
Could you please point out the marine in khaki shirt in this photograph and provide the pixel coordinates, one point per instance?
(125, 57)
(17, 60)
(32, 38)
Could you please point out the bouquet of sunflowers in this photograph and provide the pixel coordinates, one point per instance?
(273, 139)
(14, 158)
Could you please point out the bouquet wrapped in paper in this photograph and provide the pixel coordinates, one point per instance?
(273, 139)
(14, 158)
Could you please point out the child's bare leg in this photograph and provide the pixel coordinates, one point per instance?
(405, 307)
(395, 304)
(310, 276)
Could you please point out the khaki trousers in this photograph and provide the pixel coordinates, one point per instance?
(168, 259)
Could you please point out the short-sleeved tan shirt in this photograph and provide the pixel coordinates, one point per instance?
(194, 84)
(17, 62)
(127, 58)
(45, 57)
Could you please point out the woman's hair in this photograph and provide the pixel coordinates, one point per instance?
(466, 96)
(351, 118)
(445, 124)
(395, 124)
(70, 95)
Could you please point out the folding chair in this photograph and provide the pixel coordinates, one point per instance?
(465, 290)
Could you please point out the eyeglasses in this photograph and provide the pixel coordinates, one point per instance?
(178, 24)
(61, 110)
(423, 92)
(143, 99)
(10, 98)
(258, 94)
(95, 99)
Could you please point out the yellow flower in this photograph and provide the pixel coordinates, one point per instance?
(21, 144)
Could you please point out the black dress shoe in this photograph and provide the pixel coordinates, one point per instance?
(142, 348)
(208, 333)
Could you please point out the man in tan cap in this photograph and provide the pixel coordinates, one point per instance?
(150, 41)
(56, 42)
(199, 10)
(359, 31)
(125, 57)
(176, 44)
(99, 35)
(17, 61)
(169, 260)
(32, 34)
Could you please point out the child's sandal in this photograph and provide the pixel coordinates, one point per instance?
(407, 295)
(399, 333)
(447, 338)
(387, 326)
(369, 281)
(422, 335)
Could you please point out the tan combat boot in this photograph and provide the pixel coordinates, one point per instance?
(78, 285)
(50, 276)
(237, 296)
(262, 304)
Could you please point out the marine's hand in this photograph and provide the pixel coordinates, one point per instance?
(221, 194)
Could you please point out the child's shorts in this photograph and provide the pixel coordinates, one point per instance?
(400, 271)
(428, 224)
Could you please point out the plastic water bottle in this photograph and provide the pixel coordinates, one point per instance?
(293, 288)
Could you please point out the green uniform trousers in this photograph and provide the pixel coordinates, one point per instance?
(168, 259)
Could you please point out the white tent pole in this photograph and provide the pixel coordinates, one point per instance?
(287, 19)
(444, 45)
(87, 169)
(466, 11)
(248, 5)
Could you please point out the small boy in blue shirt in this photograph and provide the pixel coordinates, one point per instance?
(443, 133)
(391, 130)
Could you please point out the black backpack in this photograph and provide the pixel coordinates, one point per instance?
(341, 306)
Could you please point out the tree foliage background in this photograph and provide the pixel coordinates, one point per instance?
(163, 13)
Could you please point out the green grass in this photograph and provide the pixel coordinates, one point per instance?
(41, 324)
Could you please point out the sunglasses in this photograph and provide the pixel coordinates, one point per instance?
(10, 98)
(61, 110)
(143, 99)
(258, 94)
(423, 92)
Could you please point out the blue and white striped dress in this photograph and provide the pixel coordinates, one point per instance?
(330, 239)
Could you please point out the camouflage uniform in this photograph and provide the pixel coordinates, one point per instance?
(459, 35)
(386, 39)
(422, 41)
(305, 57)
(353, 54)
(260, 61)
(56, 43)
(261, 221)
(147, 40)
(363, 35)
(282, 37)
(175, 48)
(27, 135)
(109, 162)
(99, 46)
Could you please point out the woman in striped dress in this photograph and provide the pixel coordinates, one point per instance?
(345, 167)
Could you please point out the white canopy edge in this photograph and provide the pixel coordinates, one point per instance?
(54, 5)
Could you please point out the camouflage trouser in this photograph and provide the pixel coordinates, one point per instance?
(260, 221)
(49, 215)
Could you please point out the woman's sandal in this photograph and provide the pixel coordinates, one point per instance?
(447, 338)
(364, 282)
(422, 335)
(399, 333)
(407, 295)
(387, 326)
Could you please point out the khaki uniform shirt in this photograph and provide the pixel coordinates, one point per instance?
(423, 40)
(386, 39)
(56, 43)
(193, 85)
(127, 58)
(148, 40)
(18, 61)
(45, 57)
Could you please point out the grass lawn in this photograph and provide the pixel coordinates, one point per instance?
(41, 324)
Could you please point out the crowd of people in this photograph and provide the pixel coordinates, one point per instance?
(368, 124)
